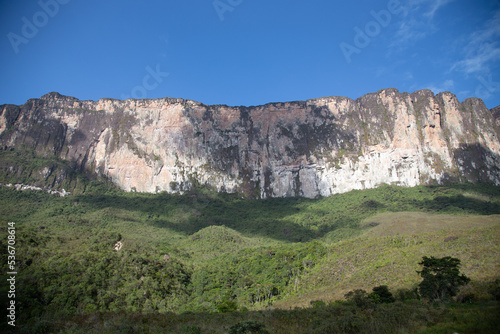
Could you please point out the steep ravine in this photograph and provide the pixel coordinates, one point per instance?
(306, 148)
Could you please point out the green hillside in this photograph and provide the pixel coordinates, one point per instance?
(185, 259)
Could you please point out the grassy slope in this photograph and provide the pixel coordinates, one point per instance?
(202, 227)
(392, 258)
(171, 221)
(409, 223)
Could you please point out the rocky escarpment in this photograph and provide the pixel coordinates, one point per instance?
(307, 148)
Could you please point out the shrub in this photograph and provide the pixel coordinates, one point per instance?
(191, 330)
(248, 327)
(404, 294)
(318, 304)
(466, 295)
(494, 289)
(359, 297)
(227, 306)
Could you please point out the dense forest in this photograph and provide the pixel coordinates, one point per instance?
(104, 261)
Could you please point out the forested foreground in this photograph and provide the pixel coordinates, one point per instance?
(108, 261)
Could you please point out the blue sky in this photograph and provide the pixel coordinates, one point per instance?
(248, 52)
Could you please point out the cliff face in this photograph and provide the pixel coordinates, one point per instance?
(309, 148)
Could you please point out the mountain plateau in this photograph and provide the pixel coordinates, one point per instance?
(307, 148)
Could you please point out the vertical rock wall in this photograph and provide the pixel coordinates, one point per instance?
(308, 148)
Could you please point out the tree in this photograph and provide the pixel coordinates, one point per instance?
(441, 278)
(381, 294)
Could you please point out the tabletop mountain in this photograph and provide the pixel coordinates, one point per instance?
(307, 148)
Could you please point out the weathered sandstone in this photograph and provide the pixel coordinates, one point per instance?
(308, 148)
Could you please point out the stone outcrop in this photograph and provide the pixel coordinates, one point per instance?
(307, 148)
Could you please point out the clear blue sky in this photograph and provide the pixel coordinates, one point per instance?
(248, 52)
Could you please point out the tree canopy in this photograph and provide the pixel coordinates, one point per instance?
(441, 278)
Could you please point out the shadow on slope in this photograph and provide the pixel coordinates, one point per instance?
(293, 219)
(192, 212)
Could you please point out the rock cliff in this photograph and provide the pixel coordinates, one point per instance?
(308, 148)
